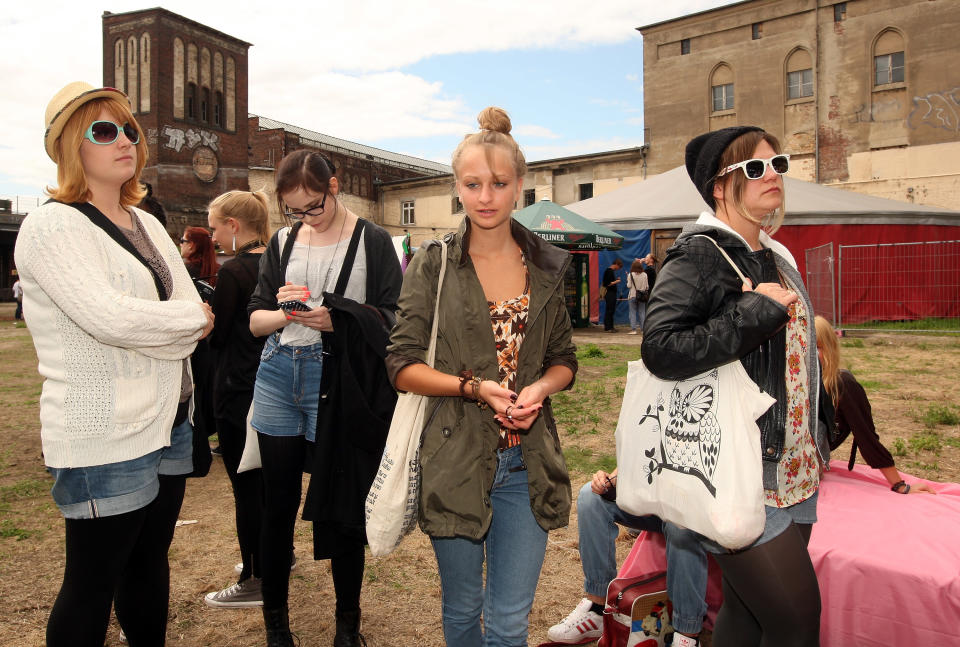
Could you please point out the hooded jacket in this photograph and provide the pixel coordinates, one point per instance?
(458, 453)
(699, 317)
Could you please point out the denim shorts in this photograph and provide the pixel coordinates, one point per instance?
(778, 520)
(117, 488)
(287, 391)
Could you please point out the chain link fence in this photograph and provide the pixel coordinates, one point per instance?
(887, 286)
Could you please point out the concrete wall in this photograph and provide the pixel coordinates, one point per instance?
(847, 133)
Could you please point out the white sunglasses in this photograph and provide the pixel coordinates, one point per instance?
(756, 168)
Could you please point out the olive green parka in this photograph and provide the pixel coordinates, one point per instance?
(458, 454)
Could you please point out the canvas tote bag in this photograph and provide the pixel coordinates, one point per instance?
(688, 450)
(391, 506)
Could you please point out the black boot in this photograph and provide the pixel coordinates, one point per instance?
(277, 623)
(348, 629)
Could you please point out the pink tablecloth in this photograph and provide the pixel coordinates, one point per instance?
(888, 564)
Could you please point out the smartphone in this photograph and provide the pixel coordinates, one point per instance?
(294, 306)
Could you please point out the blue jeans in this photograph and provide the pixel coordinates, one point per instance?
(515, 545)
(287, 390)
(638, 310)
(118, 488)
(597, 521)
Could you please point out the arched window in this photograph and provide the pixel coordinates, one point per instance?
(231, 98)
(191, 100)
(145, 73)
(119, 65)
(888, 58)
(204, 105)
(132, 69)
(799, 74)
(218, 109)
(178, 62)
(721, 88)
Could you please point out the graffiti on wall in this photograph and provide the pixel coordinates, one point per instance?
(937, 110)
(177, 138)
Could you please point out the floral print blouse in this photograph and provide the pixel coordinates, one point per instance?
(798, 474)
(509, 321)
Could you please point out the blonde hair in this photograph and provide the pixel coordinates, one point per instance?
(741, 149)
(495, 129)
(71, 179)
(246, 207)
(829, 347)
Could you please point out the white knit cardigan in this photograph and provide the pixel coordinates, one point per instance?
(109, 349)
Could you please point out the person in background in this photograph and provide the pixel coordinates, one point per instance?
(701, 316)
(18, 297)
(610, 283)
(637, 292)
(112, 342)
(151, 205)
(650, 269)
(597, 524)
(493, 478)
(854, 414)
(299, 265)
(196, 248)
(239, 222)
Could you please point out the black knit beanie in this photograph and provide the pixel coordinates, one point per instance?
(703, 157)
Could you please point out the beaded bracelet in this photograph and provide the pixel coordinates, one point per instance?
(901, 487)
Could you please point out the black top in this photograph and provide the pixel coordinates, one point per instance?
(651, 275)
(854, 415)
(609, 276)
(239, 351)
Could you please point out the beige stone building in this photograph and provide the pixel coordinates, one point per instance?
(428, 207)
(863, 94)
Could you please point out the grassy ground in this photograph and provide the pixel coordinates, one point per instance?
(909, 379)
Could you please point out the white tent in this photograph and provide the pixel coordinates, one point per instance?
(669, 200)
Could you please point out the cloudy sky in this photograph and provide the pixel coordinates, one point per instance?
(407, 77)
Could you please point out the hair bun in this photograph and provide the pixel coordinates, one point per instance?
(495, 119)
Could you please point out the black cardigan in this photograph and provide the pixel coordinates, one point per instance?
(383, 272)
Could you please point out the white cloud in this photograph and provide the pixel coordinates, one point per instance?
(632, 77)
(331, 67)
(579, 147)
(531, 130)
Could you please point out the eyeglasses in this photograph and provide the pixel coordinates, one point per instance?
(756, 168)
(107, 132)
(312, 211)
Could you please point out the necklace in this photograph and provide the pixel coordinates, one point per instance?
(246, 247)
(333, 258)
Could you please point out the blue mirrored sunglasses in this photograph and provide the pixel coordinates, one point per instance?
(107, 132)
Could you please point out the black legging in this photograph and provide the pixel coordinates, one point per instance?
(247, 494)
(611, 307)
(120, 559)
(282, 458)
(770, 594)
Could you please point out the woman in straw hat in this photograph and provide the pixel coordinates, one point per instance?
(114, 316)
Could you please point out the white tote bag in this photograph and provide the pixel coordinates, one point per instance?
(391, 506)
(688, 450)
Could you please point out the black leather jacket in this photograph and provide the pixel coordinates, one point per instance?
(698, 318)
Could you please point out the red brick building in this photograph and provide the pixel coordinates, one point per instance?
(188, 86)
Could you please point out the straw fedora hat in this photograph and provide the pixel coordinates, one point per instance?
(64, 103)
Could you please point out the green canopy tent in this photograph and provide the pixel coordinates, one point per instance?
(564, 228)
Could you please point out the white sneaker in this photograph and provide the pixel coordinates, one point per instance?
(241, 595)
(632, 332)
(581, 626)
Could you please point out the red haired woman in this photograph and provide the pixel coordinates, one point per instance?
(113, 316)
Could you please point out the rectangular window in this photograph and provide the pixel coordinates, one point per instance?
(684, 46)
(757, 31)
(800, 84)
(723, 97)
(529, 197)
(888, 68)
(456, 206)
(839, 11)
(406, 213)
(586, 190)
